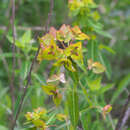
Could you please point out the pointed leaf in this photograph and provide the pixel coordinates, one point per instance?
(49, 89)
(74, 51)
(61, 117)
(57, 98)
(50, 52)
(94, 84)
(66, 62)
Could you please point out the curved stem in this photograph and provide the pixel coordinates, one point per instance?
(31, 68)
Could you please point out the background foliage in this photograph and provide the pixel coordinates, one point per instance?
(115, 18)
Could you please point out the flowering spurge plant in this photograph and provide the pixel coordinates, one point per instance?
(40, 118)
(64, 47)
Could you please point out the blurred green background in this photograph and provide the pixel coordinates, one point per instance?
(115, 16)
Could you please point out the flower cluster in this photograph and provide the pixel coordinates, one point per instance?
(40, 118)
(61, 45)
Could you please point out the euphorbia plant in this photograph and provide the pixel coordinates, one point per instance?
(64, 49)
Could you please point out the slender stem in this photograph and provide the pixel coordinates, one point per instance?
(111, 120)
(13, 59)
(31, 68)
(119, 123)
(49, 15)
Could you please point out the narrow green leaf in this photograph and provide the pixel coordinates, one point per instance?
(106, 88)
(106, 63)
(103, 33)
(17, 104)
(72, 103)
(101, 46)
(85, 93)
(92, 50)
(84, 122)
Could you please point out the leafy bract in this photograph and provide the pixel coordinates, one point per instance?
(49, 89)
(51, 45)
(94, 84)
(74, 51)
(60, 77)
(50, 52)
(52, 32)
(66, 62)
(78, 35)
(46, 40)
(96, 67)
(64, 34)
(57, 98)
(36, 118)
(61, 117)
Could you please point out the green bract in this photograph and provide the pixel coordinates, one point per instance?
(60, 44)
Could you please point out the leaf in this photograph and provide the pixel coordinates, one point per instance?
(94, 84)
(55, 77)
(82, 66)
(105, 63)
(26, 38)
(72, 104)
(49, 89)
(78, 35)
(96, 67)
(24, 69)
(82, 36)
(46, 40)
(64, 34)
(90, 64)
(17, 102)
(95, 15)
(74, 51)
(52, 31)
(57, 98)
(62, 78)
(85, 94)
(103, 33)
(92, 50)
(39, 123)
(61, 117)
(24, 42)
(51, 119)
(84, 122)
(66, 62)
(17, 42)
(105, 88)
(40, 111)
(101, 46)
(120, 88)
(76, 30)
(50, 52)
